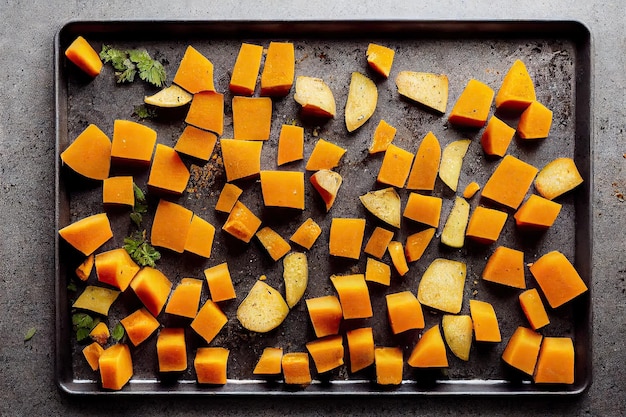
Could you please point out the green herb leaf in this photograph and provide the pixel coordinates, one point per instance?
(115, 56)
(140, 250)
(127, 74)
(118, 332)
(144, 112)
(139, 194)
(82, 320)
(72, 286)
(136, 218)
(29, 334)
(82, 333)
(129, 63)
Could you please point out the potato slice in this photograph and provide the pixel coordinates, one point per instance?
(96, 299)
(315, 97)
(452, 161)
(442, 284)
(384, 204)
(457, 330)
(263, 309)
(172, 96)
(430, 90)
(557, 177)
(296, 276)
(453, 234)
(327, 184)
(362, 100)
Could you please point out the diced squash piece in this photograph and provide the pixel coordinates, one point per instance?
(458, 331)
(228, 197)
(417, 243)
(278, 70)
(558, 279)
(84, 269)
(263, 309)
(556, 361)
(389, 365)
(246, 69)
(452, 162)
(442, 285)
(209, 321)
(96, 299)
(327, 353)
(537, 213)
(535, 122)
(296, 368)
(283, 189)
(424, 209)
(290, 144)
(380, 58)
(453, 234)
(430, 350)
(185, 298)
(211, 364)
(558, 177)
(168, 172)
(196, 143)
(169, 97)
(485, 225)
(396, 252)
(118, 190)
(153, 288)
(327, 183)
(377, 271)
(353, 295)
(89, 154)
(510, 182)
(92, 354)
(207, 112)
(429, 90)
(472, 107)
(325, 314)
(82, 54)
(195, 72)
(171, 225)
(242, 158)
(139, 325)
(486, 328)
(306, 234)
(116, 367)
(395, 167)
(220, 282)
(517, 90)
(384, 204)
(470, 190)
(378, 242)
(274, 244)
(360, 347)
(296, 277)
(425, 165)
(522, 350)
(132, 142)
(115, 267)
(88, 234)
(315, 97)
(270, 362)
(241, 222)
(200, 237)
(361, 101)
(383, 136)
(325, 155)
(404, 312)
(346, 237)
(505, 266)
(100, 333)
(533, 308)
(172, 350)
(497, 137)
(252, 117)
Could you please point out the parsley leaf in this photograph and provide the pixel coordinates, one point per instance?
(83, 324)
(118, 332)
(30, 333)
(114, 56)
(140, 208)
(143, 112)
(140, 250)
(128, 63)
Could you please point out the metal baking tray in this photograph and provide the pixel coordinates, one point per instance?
(558, 55)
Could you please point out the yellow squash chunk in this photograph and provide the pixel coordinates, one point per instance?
(115, 267)
(270, 362)
(510, 182)
(89, 154)
(169, 97)
(384, 204)
(211, 364)
(472, 107)
(168, 172)
(535, 122)
(558, 177)
(430, 350)
(88, 234)
(209, 321)
(537, 213)
(396, 252)
(361, 101)
(505, 266)
(470, 190)
(82, 54)
(325, 314)
(425, 165)
(228, 197)
(207, 112)
(172, 350)
(453, 234)
(100, 333)
(274, 244)
(246, 69)
(485, 322)
(283, 189)
(139, 325)
(424, 209)
(84, 269)
(325, 155)
(458, 330)
(171, 226)
(290, 144)
(517, 90)
(346, 237)
(558, 279)
(497, 136)
(132, 142)
(118, 191)
(452, 162)
(96, 299)
(241, 223)
(92, 354)
(383, 136)
(522, 350)
(326, 183)
(116, 367)
(315, 97)
(556, 361)
(533, 308)
(278, 70)
(395, 167)
(195, 72)
(296, 277)
(353, 295)
(252, 117)
(200, 237)
(196, 143)
(485, 225)
(377, 271)
(380, 58)
(378, 242)
(153, 288)
(263, 309)
(296, 368)
(404, 312)
(220, 282)
(389, 364)
(417, 243)
(442, 285)
(242, 158)
(306, 234)
(185, 298)
(327, 353)
(429, 90)
(360, 347)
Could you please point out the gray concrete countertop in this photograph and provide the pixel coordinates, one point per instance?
(27, 205)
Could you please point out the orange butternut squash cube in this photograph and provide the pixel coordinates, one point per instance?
(353, 295)
(522, 350)
(378, 242)
(196, 143)
(533, 308)
(118, 190)
(242, 158)
(84, 269)
(168, 172)
(207, 111)
(220, 282)
(430, 350)
(360, 347)
(274, 244)
(424, 209)
(92, 354)
(296, 368)
(535, 122)
(389, 365)
(89, 154)
(485, 225)
(116, 367)
(290, 144)
(497, 137)
(241, 223)
(472, 107)
(211, 365)
(517, 90)
(380, 58)
(425, 165)
(200, 237)
(195, 72)
(252, 117)
(209, 321)
(346, 237)
(132, 142)
(139, 325)
(153, 288)
(279, 69)
(505, 266)
(82, 54)
(510, 182)
(382, 138)
(556, 361)
(404, 312)
(537, 213)
(115, 267)
(395, 167)
(171, 226)
(172, 350)
(325, 155)
(396, 251)
(377, 271)
(327, 353)
(485, 322)
(470, 190)
(417, 243)
(283, 189)
(325, 314)
(246, 69)
(228, 197)
(185, 298)
(88, 234)
(306, 234)
(558, 279)
(100, 333)
(270, 362)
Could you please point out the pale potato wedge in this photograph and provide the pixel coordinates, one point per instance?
(442, 285)
(361, 102)
(172, 96)
(296, 276)
(430, 90)
(327, 184)
(263, 309)
(558, 177)
(96, 299)
(452, 161)
(384, 204)
(453, 234)
(458, 330)
(315, 97)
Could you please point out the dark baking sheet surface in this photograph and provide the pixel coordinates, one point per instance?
(558, 57)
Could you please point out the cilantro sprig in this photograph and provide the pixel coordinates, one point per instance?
(129, 63)
(140, 250)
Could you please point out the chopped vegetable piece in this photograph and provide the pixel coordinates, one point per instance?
(380, 58)
(196, 143)
(207, 111)
(185, 298)
(442, 285)
(132, 142)
(377, 271)
(497, 136)
(327, 184)
(417, 243)
(89, 154)
(458, 330)
(430, 350)
(558, 177)
(509, 182)
(537, 213)
(315, 97)
(139, 325)
(404, 312)
(274, 244)
(296, 368)
(453, 234)
(168, 172)
(505, 266)
(171, 226)
(296, 277)
(424, 209)
(306, 234)
(425, 165)
(395, 167)
(263, 309)
(252, 117)
(246, 69)
(327, 353)
(558, 279)
(353, 295)
(169, 97)
(522, 350)
(290, 144)
(242, 158)
(485, 225)
(115, 267)
(200, 237)
(396, 251)
(209, 321)
(429, 90)
(82, 54)
(220, 282)
(325, 155)
(360, 347)
(228, 197)
(84, 269)
(517, 90)
(96, 299)
(383, 136)
(241, 223)
(278, 70)
(472, 107)
(116, 367)
(118, 190)
(283, 189)
(325, 314)
(153, 288)
(533, 308)
(485, 322)
(361, 102)
(92, 354)
(172, 350)
(452, 162)
(384, 204)
(535, 122)
(195, 72)
(470, 190)
(389, 364)
(556, 361)
(346, 237)
(270, 362)
(100, 333)
(211, 365)
(378, 242)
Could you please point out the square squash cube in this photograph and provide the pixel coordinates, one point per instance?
(283, 189)
(346, 237)
(211, 365)
(252, 117)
